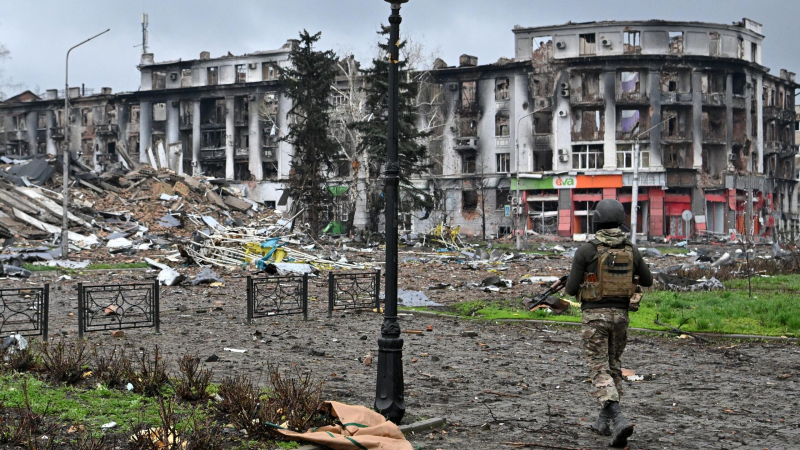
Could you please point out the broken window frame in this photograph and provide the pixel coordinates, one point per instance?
(502, 125)
(587, 44)
(240, 70)
(501, 196)
(503, 162)
(41, 120)
(468, 92)
(676, 40)
(186, 77)
(212, 76)
(469, 200)
(625, 156)
(502, 89)
(632, 41)
(588, 157)
(469, 163)
(158, 80)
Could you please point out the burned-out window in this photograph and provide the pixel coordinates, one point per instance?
(754, 52)
(186, 77)
(269, 71)
(343, 167)
(588, 44)
(212, 74)
(676, 42)
(468, 164)
(468, 97)
(241, 73)
(159, 79)
(86, 117)
(467, 127)
(542, 123)
(469, 201)
(629, 121)
(501, 89)
(501, 124)
(41, 120)
(630, 82)
(714, 44)
(159, 112)
(134, 114)
(503, 162)
(501, 198)
(631, 42)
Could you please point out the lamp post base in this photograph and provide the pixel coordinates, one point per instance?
(389, 399)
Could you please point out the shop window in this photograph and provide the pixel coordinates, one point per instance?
(469, 201)
(501, 125)
(588, 44)
(501, 91)
(503, 162)
(587, 157)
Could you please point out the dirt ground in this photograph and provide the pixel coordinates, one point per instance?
(514, 382)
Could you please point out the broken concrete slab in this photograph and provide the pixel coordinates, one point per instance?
(206, 276)
(170, 277)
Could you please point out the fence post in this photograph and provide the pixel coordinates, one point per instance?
(156, 307)
(378, 291)
(80, 310)
(305, 296)
(250, 305)
(45, 312)
(330, 294)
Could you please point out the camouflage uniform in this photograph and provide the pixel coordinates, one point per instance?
(605, 334)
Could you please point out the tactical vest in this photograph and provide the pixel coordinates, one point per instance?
(614, 273)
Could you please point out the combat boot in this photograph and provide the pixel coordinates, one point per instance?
(621, 428)
(602, 425)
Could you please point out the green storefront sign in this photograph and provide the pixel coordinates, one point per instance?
(562, 182)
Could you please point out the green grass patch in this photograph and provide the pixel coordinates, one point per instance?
(770, 312)
(136, 265)
(673, 250)
(92, 407)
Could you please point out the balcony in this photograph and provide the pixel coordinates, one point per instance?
(465, 144)
(791, 150)
(631, 135)
(714, 99)
(773, 147)
(106, 129)
(269, 154)
(241, 153)
(712, 137)
(16, 135)
(211, 154)
(632, 97)
(676, 98)
(57, 133)
(787, 115)
(589, 135)
(676, 136)
(541, 142)
(771, 112)
(739, 102)
(579, 98)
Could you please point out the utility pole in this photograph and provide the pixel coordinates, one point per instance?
(65, 156)
(635, 184)
(517, 196)
(389, 399)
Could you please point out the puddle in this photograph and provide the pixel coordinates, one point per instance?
(414, 298)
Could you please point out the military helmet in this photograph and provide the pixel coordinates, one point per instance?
(609, 211)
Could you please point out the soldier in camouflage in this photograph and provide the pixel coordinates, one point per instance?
(605, 320)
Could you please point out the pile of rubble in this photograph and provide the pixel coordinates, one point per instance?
(141, 212)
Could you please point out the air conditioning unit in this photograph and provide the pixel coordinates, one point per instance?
(252, 65)
(173, 76)
(565, 92)
(561, 45)
(194, 163)
(562, 113)
(605, 43)
(562, 151)
(563, 158)
(515, 200)
(564, 86)
(732, 157)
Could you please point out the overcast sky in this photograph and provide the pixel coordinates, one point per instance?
(39, 32)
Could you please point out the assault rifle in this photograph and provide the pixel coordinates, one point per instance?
(556, 304)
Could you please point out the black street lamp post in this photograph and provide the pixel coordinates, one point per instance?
(389, 390)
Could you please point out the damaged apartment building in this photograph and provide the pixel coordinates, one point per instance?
(219, 117)
(714, 128)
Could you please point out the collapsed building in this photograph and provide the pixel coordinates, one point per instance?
(559, 124)
(715, 131)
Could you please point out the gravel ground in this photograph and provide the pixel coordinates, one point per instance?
(514, 382)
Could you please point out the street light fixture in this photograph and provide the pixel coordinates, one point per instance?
(65, 156)
(389, 388)
(519, 205)
(635, 185)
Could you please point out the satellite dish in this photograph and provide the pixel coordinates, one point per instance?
(686, 215)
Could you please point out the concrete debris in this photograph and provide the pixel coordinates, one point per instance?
(677, 283)
(170, 277)
(724, 259)
(206, 276)
(15, 271)
(650, 252)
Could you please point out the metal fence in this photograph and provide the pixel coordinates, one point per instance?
(25, 311)
(276, 296)
(118, 307)
(354, 291)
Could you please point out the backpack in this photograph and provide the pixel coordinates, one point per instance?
(614, 276)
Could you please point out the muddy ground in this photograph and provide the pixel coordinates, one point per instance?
(514, 382)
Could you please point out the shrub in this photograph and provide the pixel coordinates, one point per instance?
(112, 368)
(193, 380)
(151, 373)
(240, 400)
(64, 361)
(294, 397)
